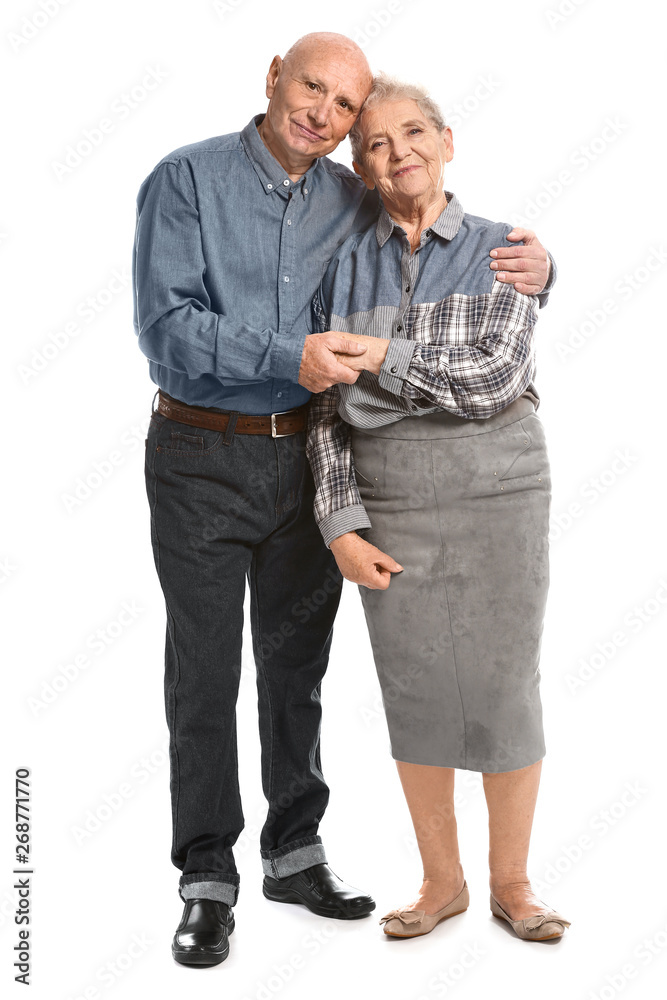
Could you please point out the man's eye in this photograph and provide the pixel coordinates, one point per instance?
(344, 105)
(313, 86)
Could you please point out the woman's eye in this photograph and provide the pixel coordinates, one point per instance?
(376, 145)
(415, 130)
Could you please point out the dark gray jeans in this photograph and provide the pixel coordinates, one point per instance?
(225, 509)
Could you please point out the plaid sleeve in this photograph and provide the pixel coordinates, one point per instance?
(474, 354)
(337, 507)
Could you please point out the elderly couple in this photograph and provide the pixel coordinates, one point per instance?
(264, 272)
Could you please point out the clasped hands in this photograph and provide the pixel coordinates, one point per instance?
(332, 357)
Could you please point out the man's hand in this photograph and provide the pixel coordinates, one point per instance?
(361, 562)
(526, 267)
(372, 360)
(320, 366)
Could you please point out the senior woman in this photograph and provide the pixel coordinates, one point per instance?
(436, 458)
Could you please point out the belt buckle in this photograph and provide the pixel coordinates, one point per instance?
(274, 432)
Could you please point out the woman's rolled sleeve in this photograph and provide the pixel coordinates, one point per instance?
(474, 379)
(337, 506)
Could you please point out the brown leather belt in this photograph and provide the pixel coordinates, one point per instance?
(275, 424)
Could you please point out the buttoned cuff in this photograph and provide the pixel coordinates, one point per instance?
(346, 519)
(543, 296)
(396, 363)
(287, 350)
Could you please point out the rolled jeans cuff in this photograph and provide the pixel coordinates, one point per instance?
(294, 857)
(210, 885)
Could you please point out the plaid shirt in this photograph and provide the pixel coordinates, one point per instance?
(459, 341)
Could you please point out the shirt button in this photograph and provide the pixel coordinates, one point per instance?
(270, 187)
(394, 369)
(289, 222)
(399, 328)
(305, 190)
(407, 288)
(286, 277)
(279, 394)
(286, 183)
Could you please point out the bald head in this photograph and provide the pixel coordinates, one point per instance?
(315, 94)
(320, 42)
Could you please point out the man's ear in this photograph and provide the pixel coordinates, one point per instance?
(272, 76)
(358, 169)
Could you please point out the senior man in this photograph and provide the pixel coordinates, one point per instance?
(232, 237)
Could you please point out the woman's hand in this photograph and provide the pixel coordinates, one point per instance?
(363, 563)
(372, 360)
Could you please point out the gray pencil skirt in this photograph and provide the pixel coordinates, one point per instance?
(463, 505)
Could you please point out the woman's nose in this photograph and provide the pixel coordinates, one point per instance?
(399, 149)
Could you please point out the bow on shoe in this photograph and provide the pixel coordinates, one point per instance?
(533, 923)
(406, 916)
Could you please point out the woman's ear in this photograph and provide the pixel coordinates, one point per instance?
(358, 169)
(449, 144)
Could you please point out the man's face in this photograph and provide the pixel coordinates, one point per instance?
(314, 100)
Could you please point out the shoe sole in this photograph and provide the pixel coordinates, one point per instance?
(292, 896)
(424, 933)
(187, 957)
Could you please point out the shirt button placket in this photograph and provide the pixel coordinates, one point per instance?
(286, 264)
(290, 203)
(407, 284)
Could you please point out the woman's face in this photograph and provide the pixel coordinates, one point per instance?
(404, 153)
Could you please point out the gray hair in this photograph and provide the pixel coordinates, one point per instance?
(388, 88)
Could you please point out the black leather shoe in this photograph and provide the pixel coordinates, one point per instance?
(202, 937)
(321, 891)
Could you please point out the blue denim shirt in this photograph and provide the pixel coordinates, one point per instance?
(228, 254)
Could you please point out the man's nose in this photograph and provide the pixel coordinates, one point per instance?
(320, 110)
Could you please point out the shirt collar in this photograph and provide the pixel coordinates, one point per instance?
(270, 173)
(446, 225)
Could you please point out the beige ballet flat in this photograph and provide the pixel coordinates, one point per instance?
(542, 927)
(415, 923)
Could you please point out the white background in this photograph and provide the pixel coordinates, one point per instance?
(530, 93)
